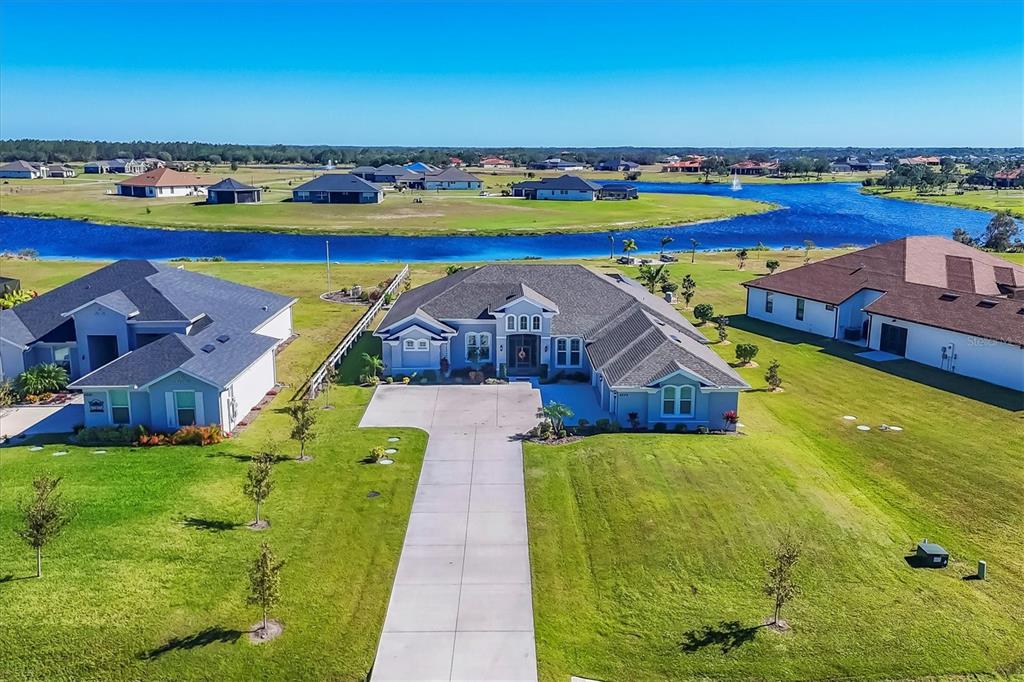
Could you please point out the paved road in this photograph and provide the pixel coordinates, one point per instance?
(461, 607)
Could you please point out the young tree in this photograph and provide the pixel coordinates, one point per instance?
(452, 269)
(372, 365)
(781, 584)
(330, 377)
(772, 266)
(742, 256)
(665, 241)
(45, 515)
(303, 424)
(557, 413)
(264, 583)
(722, 328)
(652, 276)
(628, 246)
(258, 482)
(746, 352)
(703, 312)
(772, 375)
(688, 289)
(1001, 232)
(963, 236)
(808, 247)
(611, 246)
(693, 250)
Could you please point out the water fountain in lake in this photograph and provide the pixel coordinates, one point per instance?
(736, 186)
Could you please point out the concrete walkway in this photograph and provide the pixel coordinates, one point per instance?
(461, 607)
(36, 420)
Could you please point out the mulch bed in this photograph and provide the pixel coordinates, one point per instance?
(255, 411)
(343, 296)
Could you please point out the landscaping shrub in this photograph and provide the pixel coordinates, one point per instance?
(660, 427)
(8, 393)
(731, 417)
(429, 375)
(703, 312)
(679, 428)
(197, 435)
(746, 352)
(43, 379)
(108, 435)
(603, 425)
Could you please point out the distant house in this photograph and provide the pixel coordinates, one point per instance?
(671, 158)
(338, 188)
(449, 178)
(152, 163)
(1011, 177)
(153, 345)
(644, 361)
(126, 166)
(615, 165)
(557, 164)
(563, 188)
(496, 162)
(391, 174)
(456, 162)
(60, 170)
(855, 164)
(921, 161)
(749, 167)
(927, 299)
(420, 167)
(231, 191)
(163, 182)
(689, 165)
(23, 170)
(617, 190)
(364, 172)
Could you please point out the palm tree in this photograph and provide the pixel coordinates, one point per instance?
(628, 246)
(372, 365)
(665, 241)
(652, 277)
(693, 249)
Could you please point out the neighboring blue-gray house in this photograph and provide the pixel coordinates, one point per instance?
(338, 188)
(563, 188)
(231, 191)
(449, 178)
(639, 354)
(153, 345)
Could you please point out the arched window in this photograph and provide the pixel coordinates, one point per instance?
(535, 323)
(524, 323)
(510, 323)
(677, 401)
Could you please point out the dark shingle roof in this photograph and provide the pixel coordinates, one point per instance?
(568, 182)
(631, 335)
(230, 184)
(338, 182)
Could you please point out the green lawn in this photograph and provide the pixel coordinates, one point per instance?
(149, 579)
(498, 178)
(646, 549)
(455, 212)
(1011, 200)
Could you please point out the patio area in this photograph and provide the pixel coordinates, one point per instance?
(581, 399)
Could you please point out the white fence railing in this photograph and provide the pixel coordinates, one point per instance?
(316, 381)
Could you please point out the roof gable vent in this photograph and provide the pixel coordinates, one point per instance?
(208, 348)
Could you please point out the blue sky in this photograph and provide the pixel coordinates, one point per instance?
(731, 73)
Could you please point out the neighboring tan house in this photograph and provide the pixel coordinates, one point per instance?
(921, 161)
(23, 170)
(691, 165)
(152, 345)
(338, 188)
(163, 182)
(1011, 177)
(449, 178)
(638, 353)
(563, 188)
(456, 162)
(928, 299)
(496, 162)
(125, 166)
(60, 170)
(754, 167)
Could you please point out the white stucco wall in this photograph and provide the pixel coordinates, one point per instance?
(992, 361)
(174, 191)
(248, 389)
(817, 318)
(279, 326)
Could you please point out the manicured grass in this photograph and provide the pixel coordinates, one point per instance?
(1011, 200)
(453, 212)
(148, 581)
(646, 550)
(498, 178)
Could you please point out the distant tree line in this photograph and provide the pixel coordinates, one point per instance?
(793, 160)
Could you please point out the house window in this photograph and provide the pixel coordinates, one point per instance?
(478, 347)
(510, 323)
(535, 323)
(62, 357)
(185, 406)
(422, 344)
(120, 410)
(769, 302)
(524, 323)
(799, 308)
(575, 352)
(409, 344)
(568, 352)
(677, 401)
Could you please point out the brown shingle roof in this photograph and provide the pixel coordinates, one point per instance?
(166, 177)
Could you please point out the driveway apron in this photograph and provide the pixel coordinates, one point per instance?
(461, 606)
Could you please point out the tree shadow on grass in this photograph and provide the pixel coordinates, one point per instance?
(10, 578)
(211, 525)
(210, 635)
(727, 636)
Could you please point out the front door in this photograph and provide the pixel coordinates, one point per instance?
(522, 353)
(893, 339)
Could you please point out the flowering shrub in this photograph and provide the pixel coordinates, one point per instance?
(730, 417)
(186, 435)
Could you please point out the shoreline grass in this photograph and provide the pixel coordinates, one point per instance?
(987, 200)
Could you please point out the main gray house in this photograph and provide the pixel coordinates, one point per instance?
(338, 188)
(638, 353)
(152, 345)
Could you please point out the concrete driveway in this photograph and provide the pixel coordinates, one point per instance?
(461, 607)
(36, 420)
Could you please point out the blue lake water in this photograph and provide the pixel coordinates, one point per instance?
(829, 214)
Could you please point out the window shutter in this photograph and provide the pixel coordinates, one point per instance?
(172, 413)
(200, 416)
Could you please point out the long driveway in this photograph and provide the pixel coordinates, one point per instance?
(461, 607)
